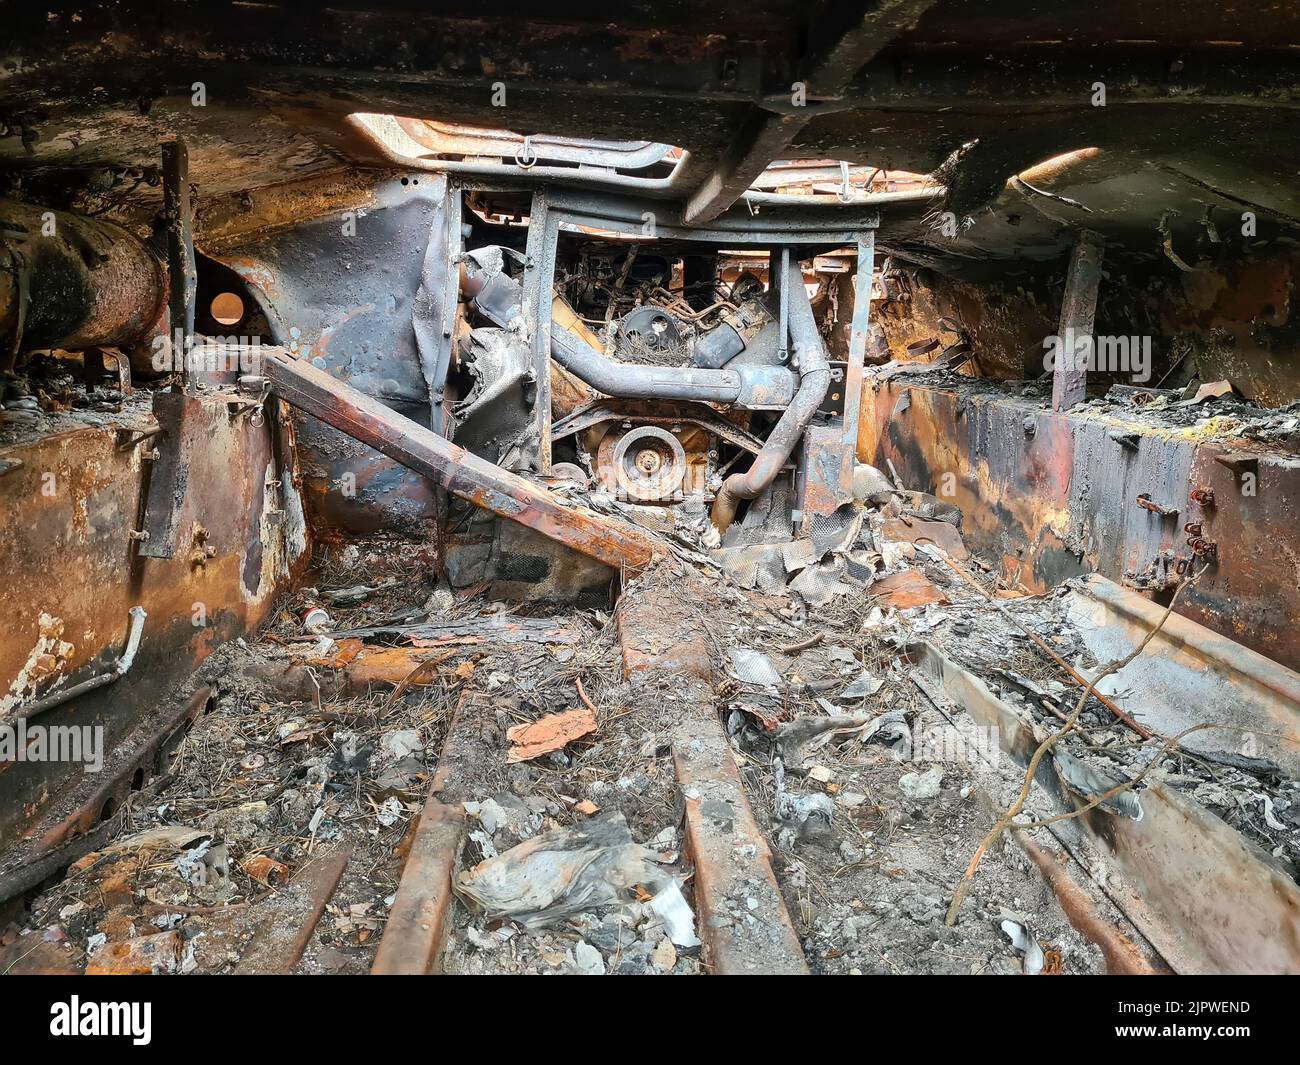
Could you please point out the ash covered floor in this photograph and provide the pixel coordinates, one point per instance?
(277, 837)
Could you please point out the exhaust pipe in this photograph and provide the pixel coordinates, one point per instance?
(814, 379)
(498, 297)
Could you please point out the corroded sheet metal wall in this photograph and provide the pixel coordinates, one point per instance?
(1060, 501)
(1237, 320)
(339, 289)
(72, 573)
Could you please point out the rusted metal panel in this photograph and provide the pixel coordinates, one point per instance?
(464, 475)
(1060, 501)
(360, 319)
(823, 458)
(828, 451)
(148, 760)
(436, 309)
(1209, 900)
(72, 575)
(169, 471)
(1189, 675)
(1078, 312)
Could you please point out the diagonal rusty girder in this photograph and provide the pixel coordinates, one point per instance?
(765, 135)
(609, 540)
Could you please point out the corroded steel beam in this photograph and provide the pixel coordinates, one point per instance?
(834, 55)
(486, 485)
(182, 272)
(1078, 311)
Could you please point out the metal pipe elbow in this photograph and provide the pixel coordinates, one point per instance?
(775, 451)
(814, 380)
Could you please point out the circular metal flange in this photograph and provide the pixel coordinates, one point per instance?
(649, 464)
(651, 327)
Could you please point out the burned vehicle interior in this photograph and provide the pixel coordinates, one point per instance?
(757, 488)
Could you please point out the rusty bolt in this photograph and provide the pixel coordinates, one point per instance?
(1147, 503)
(1203, 496)
(1193, 528)
(649, 461)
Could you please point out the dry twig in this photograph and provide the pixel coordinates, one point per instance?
(1051, 741)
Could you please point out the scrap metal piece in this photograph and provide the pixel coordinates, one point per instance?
(489, 419)
(181, 426)
(181, 268)
(814, 379)
(1239, 464)
(753, 667)
(1091, 782)
(755, 565)
(433, 313)
(1147, 503)
(592, 865)
(1078, 310)
(552, 732)
(467, 476)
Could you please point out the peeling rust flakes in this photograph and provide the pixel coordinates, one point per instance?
(550, 733)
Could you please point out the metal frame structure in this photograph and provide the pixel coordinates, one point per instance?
(829, 449)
